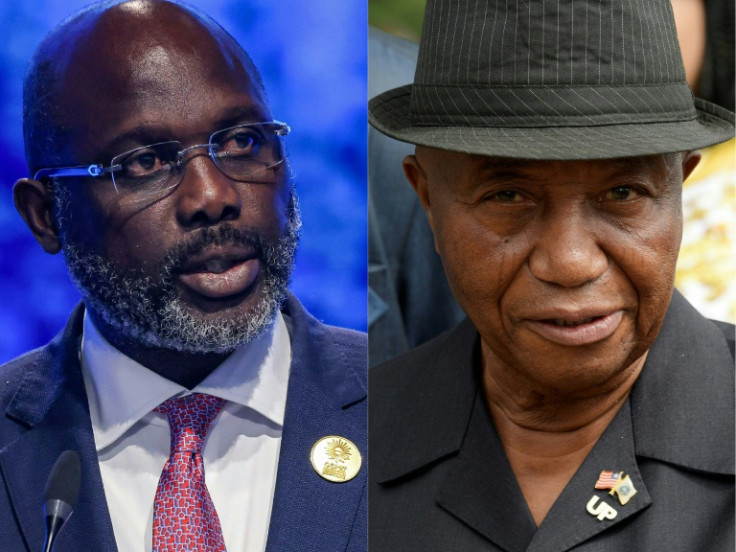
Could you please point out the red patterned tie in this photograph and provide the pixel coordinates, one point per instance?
(184, 517)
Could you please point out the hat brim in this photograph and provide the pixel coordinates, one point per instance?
(390, 113)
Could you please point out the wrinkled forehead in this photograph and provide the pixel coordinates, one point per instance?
(443, 163)
(144, 56)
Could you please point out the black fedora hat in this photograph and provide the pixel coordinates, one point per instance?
(554, 79)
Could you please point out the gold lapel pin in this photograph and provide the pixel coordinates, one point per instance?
(602, 510)
(336, 458)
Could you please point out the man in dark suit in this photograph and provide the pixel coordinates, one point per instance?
(583, 404)
(159, 172)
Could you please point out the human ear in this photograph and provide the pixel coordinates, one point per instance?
(34, 203)
(690, 160)
(418, 179)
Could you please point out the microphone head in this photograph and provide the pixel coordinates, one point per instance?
(63, 482)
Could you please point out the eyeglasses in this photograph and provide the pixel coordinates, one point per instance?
(244, 153)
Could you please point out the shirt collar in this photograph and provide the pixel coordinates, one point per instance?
(121, 391)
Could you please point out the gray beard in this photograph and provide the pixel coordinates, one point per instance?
(149, 312)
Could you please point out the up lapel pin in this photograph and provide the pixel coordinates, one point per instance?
(336, 458)
(620, 485)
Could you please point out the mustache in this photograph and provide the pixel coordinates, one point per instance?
(177, 257)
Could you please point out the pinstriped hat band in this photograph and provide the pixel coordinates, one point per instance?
(525, 106)
(550, 79)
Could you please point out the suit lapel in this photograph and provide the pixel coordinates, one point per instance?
(569, 522)
(325, 397)
(52, 404)
(480, 489)
(682, 404)
(90, 522)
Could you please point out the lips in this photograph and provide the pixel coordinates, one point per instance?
(217, 265)
(574, 329)
(220, 272)
(571, 323)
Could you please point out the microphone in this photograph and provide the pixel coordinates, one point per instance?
(60, 495)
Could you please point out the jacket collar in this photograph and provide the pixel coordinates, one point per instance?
(685, 394)
(42, 385)
(50, 395)
(438, 392)
(334, 358)
(326, 396)
(470, 491)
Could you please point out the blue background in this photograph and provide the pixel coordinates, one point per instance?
(313, 64)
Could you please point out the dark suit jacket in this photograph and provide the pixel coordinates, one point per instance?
(440, 479)
(44, 411)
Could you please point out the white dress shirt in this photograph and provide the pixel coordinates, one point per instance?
(242, 448)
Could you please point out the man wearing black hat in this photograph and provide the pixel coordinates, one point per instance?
(584, 404)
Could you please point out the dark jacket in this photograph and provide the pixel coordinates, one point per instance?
(440, 479)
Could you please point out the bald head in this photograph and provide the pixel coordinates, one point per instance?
(113, 55)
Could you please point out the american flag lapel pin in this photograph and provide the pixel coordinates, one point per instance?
(618, 483)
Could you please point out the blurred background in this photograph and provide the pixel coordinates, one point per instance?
(706, 270)
(313, 63)
(402, 19)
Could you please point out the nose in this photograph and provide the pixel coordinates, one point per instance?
(566, 251)
(205, 195)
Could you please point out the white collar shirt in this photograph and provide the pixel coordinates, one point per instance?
(242, 448)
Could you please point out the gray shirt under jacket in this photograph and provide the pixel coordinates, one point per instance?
(440, 480)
